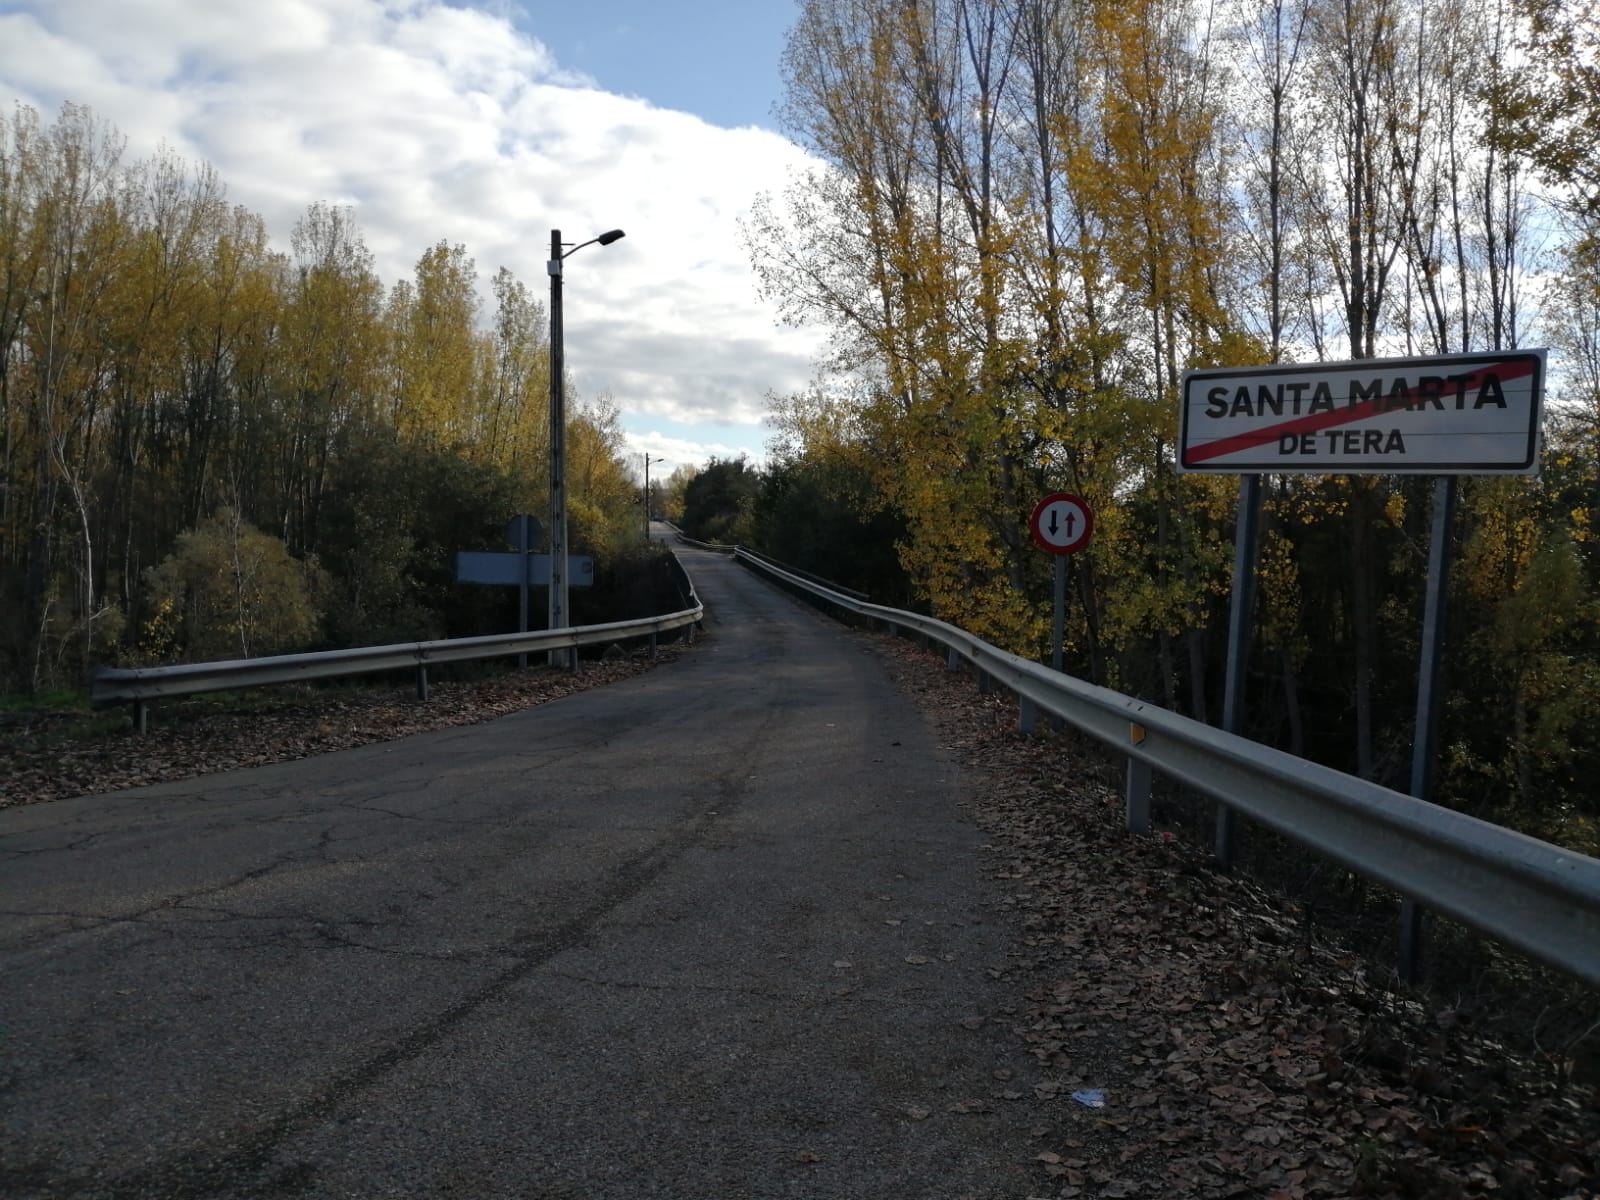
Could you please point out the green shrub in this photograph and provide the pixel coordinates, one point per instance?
(229, 590)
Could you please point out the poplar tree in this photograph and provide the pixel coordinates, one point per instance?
(161, 362)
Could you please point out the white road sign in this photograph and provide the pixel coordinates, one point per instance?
(1464, 414)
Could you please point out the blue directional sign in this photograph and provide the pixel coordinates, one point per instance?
(515, 570)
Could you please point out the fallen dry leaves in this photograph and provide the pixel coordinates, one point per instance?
(1237, 1055)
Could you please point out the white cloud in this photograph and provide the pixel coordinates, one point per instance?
(667, 454)
(447, 123)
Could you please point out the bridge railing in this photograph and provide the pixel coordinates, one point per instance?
(142, 685)
(1537, 897)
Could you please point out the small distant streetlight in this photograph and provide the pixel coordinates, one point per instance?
(647, 461)
(558, 441)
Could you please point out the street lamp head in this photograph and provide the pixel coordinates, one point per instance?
(557, 253)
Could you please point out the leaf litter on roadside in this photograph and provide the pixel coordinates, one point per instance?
(1237, 1055)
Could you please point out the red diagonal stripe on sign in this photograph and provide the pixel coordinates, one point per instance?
(1379, 407)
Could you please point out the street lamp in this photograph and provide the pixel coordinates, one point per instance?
(558, 442)
(647, 461)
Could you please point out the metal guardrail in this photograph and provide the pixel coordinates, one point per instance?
(1532, 895)
(141, 685)
(715, 547)
(807, 575)
(721, 548)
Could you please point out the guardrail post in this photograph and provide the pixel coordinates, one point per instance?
(1136, 796)
(422, 681)
(1136, 786)
(141, 716)
(1027, 715)
(985, 684)
(1410, 948)
(652, 645)
(952, 661)
(1225, 839)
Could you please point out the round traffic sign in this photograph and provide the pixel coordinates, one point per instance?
(1061, 523)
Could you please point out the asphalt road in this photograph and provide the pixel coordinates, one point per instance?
(716, 931)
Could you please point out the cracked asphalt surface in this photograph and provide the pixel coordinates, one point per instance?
(714, 931)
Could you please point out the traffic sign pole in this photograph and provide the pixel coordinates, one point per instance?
(1244, 587)
(1058, 629)
(1425, 740)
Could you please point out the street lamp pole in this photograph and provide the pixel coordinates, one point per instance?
(558, 455)
(558, 442)
(647, 461)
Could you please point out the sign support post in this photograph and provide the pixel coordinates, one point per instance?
(1425, 743)
(521, 538)
(1058, 625)
(1239, 612)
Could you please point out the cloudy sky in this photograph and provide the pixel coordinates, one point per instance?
(484, 123)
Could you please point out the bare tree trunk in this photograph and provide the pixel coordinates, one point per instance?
(235, 539)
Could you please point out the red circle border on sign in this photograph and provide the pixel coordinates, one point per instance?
(1035, 531)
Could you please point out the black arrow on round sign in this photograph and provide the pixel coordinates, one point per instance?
(1061, 523)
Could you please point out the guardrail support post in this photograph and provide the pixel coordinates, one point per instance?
(652, 645)
(1136, 796)
(141, 717)
(422, 681)
(1410, 948)
(1225, 837)
(1027, 715)
(952, 660)
(985, 684)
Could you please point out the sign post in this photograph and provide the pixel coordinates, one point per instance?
(1061, 524)
(523, 532)
(1448, 415)
(1239, 611)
